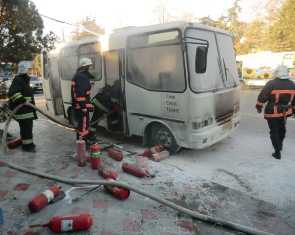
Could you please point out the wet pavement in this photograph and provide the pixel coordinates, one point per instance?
(175, 181)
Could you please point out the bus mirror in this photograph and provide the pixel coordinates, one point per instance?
(201, 59)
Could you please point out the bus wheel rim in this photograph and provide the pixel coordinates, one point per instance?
(164, 138)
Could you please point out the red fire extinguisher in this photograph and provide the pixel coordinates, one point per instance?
(68, 223)
(133, 169)
(117, 192)
(43, 199)
(115, 154)
(12, 144)
(95, 156)
(108, 173)
(155, 149)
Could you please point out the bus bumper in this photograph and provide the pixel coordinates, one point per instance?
(206, 138)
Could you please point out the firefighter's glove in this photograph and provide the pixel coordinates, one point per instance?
(259, 108)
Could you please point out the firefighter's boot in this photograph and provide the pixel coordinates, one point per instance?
(31, 148)
(277, 155)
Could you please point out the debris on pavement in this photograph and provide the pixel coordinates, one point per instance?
(144, 217)
(155, 149)
(157, 157)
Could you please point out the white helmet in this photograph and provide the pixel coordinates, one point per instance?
(85, 62)
(281, 72)
(24, 66)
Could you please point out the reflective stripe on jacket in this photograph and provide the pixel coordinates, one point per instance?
(278, 94)
(21, 92)
(80, 89)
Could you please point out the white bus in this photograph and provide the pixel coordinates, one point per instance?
(180, 85)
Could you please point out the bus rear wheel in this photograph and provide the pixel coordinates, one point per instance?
(160, 134)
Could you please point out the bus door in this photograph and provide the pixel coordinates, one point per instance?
(51, 84)
(114, 79)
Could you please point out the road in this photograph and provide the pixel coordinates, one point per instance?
(241, 165)
(244, 161)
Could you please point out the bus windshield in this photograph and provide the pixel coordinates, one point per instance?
(221, 70)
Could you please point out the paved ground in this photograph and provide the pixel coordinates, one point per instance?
(244, 161)
(252, 188)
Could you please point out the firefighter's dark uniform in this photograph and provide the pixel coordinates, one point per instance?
(80, 91)
(105, 102)
(279, 96)
(21, 92)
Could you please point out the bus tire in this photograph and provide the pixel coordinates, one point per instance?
(159, 134)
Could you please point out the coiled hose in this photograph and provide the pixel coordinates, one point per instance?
(191, 213)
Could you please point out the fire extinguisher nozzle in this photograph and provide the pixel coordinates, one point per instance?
(38, 225)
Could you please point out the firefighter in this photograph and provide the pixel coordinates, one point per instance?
(21, 92)
(278, 94)
(80, 91)
(105, 102)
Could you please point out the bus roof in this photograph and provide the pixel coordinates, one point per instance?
(119, 37)
(86, 40)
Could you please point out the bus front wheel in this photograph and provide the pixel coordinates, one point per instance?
(160, 134)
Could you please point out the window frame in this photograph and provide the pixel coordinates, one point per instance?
(96, 54)
(118, 51)
(183, 57)
(219, 57)
(62, 67)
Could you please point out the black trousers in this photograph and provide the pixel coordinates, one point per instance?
(277, 132)
(26, 131)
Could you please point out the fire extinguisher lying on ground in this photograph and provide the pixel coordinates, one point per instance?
(43, 199)
(117, 192)
(68, 223)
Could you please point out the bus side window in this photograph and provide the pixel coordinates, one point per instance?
(201, 59)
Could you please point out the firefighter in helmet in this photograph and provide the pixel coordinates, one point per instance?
(80, 92)
(19, 93)
(278, 95)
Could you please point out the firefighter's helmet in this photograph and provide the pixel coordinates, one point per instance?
(24, 67)
(85, 62)
(281, 72)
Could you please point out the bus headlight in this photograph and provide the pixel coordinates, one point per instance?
(201, 124)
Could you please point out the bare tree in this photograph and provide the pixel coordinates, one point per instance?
(161, 12)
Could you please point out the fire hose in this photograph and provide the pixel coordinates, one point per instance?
(191, 213)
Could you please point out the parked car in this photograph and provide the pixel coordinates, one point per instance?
(36, 84)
